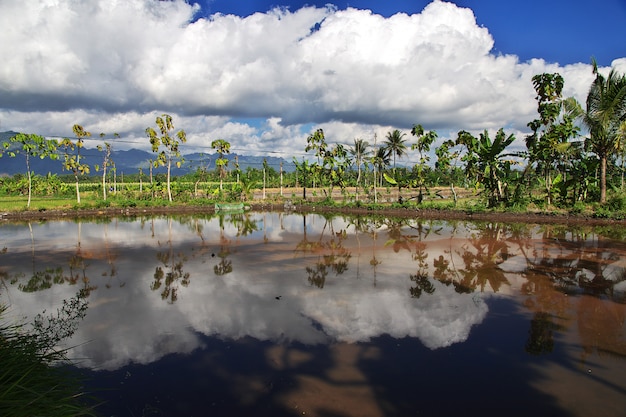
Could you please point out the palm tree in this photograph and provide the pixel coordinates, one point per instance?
(606, 112)
(359, 151)
(396, 145)
(380, 159)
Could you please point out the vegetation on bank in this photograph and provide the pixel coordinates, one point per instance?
(574, 162)
(33, 381)
(440, 200)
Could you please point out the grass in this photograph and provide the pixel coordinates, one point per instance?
(18, 203)
(31, 383)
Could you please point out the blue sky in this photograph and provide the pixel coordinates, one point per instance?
(257, 76)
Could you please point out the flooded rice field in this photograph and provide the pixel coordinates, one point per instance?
(274, 314)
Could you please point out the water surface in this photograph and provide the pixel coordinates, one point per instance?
(289, 314)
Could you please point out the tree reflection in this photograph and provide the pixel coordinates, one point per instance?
(541, 334)
(371, 226)
(245, 224)
(331, 254)
(42, 280)
(422, 284)
(403, 234)
(481, 259)
(225, 265)
(397, 239)
(575, 261)
(111, 257)
(305, 245)
(168, 282)
(421, 278)
(46, 278)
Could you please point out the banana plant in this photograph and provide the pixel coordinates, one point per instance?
(486, 163)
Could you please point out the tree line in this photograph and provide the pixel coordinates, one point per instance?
(574, 153)
(560, 164)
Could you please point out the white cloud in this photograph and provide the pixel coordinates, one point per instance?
(111, 66)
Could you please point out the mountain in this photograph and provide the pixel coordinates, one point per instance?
(129, 161)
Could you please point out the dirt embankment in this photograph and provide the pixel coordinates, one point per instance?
(527, 217)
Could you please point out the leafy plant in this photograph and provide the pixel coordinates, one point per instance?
(169, 143)
(31, 146)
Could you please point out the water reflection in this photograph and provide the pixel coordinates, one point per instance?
(316, 280)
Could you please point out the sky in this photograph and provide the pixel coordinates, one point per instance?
(263, 75)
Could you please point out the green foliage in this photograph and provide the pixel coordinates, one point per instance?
(71, 155)
(395, 145)
(102, 204)
(477, 206)
(578, 208)
(605, 117)
(486, 163)
(548, 146)
(222, 147)
(30, 383)
(616, 202)
(127, 203)
(331, 166)
(170, 145)
(31, 146)
(424, 141)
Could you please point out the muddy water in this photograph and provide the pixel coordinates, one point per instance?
(281, 314)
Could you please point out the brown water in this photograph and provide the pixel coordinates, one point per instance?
(274, 314)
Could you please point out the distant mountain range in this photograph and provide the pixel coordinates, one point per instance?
(130, 161)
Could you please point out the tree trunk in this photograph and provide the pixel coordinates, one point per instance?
(104, 182)
(30, 181)
(603, 179)
(30, 187)
(358, 180)
(77, 189)
(169, 190)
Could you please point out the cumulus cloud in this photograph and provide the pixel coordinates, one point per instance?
(113, 65)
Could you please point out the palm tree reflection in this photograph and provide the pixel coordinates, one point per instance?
(331, 254)
(487, 249)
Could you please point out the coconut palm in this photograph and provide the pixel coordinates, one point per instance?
(396, 145)
(380, 159)
(358, 152)
(605, 114)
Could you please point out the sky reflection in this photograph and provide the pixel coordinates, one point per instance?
(156, 285)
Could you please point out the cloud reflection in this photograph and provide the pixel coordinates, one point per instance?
(266, 296)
